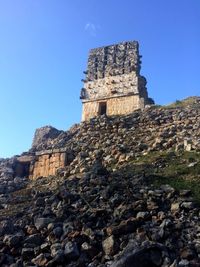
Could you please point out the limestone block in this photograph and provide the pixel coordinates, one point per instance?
(47, 164)
(115, 106)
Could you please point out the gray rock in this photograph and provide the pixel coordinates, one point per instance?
(142, 215)
(44, 134)
(27, 253)
(141, 257)
(35, 239)
(187, 205)
(39, 201)
(183, 263)
(58, 231)
(71, 251)
(55, 248)
(13, 240)
(42, 222)
(6, 227)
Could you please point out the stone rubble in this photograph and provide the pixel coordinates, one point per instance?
(9, 182)
(121, 138)
(44, 134)
(92, 214)
(101, 220)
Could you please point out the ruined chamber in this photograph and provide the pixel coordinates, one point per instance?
(113, 84)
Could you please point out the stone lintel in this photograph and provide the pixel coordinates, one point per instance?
(25, 158)
(44, 152)
(110, 97)
(50, 151)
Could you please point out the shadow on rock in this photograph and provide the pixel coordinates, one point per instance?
(151, 256)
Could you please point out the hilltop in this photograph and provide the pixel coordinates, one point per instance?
(128, 194)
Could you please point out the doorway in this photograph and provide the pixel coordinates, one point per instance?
(102, 108)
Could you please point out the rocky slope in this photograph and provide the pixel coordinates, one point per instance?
(126, 137)
(125, 199)
(103, 218)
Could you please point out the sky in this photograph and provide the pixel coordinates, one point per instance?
(44, 46)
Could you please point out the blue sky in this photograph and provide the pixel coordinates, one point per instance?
(44, 46)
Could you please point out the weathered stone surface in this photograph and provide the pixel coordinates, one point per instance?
(41, 223)
(113, 219)
(109, 245)
(43, 134)
(40, 260)
(27, 253)
(47, 164)
(9, 179)
(113, 84)
(35, 239)
(71, 251)
(13, 240)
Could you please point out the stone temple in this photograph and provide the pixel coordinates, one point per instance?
(113, 84)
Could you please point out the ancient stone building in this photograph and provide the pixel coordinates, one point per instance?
(113, 84)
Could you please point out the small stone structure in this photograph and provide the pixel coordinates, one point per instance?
(47, 162)
(113, 84)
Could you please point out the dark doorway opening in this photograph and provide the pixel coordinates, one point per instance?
(102, 108)
(21, 169)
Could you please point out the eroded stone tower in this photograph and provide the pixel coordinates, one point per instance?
(113, 84)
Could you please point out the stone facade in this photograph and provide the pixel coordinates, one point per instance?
(46, 165)
(113, 84)
(115, 106)
(47, 162)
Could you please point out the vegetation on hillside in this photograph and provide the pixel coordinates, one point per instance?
(193, 101)
(181, 170)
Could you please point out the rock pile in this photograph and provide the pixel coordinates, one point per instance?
(125, 137)
(95, 213)
(103, 220)
(44, 134)
(9, 182)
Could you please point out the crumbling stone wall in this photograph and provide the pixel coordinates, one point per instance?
(44, 134)
(113, 72)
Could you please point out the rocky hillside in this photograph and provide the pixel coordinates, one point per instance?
(122, 138)
(128, 197)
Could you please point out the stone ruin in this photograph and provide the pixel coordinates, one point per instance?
(113, 84)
